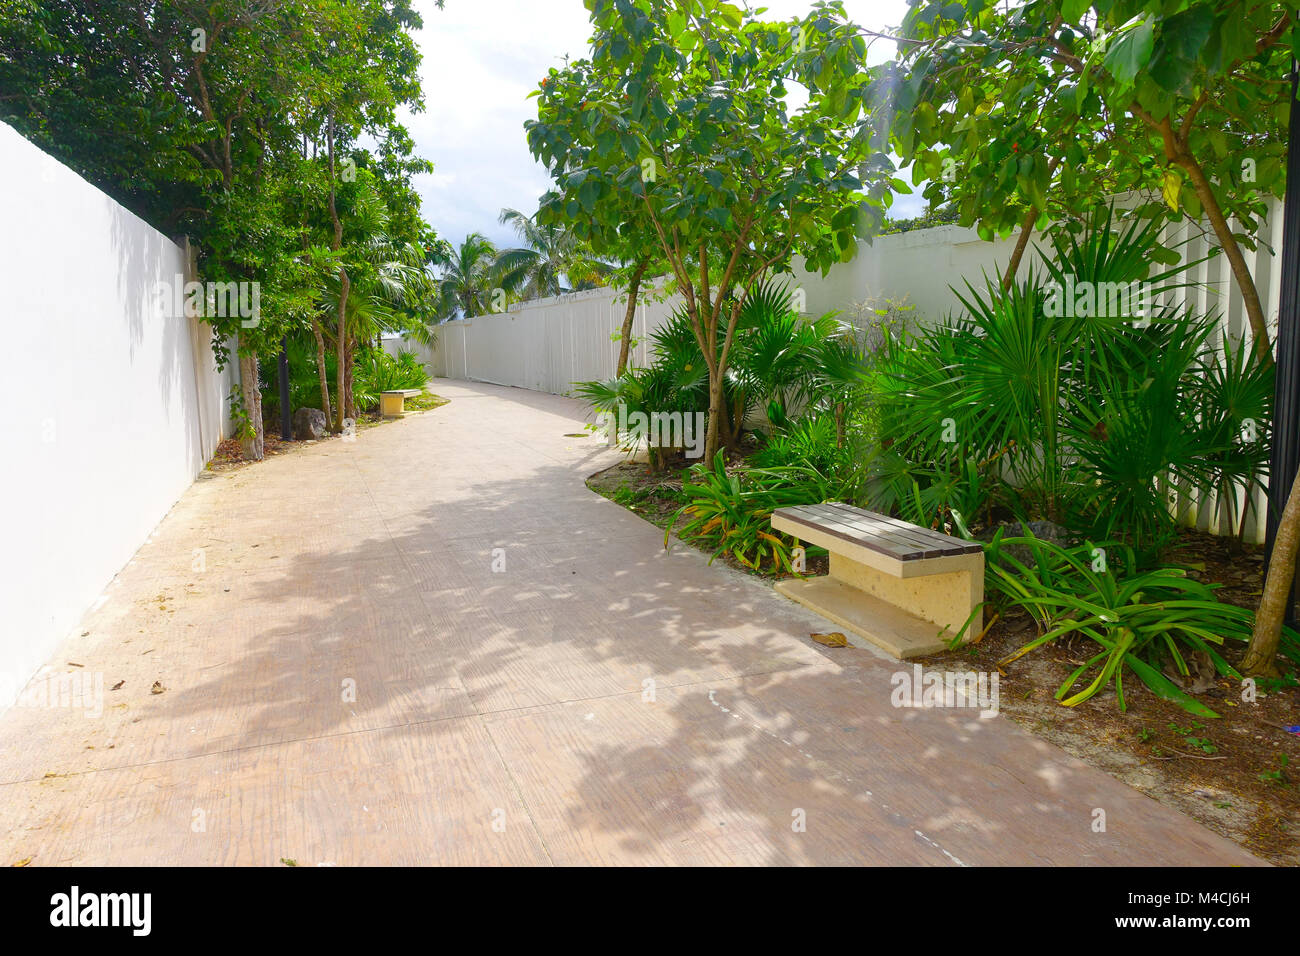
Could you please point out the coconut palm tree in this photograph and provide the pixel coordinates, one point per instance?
(466, 277)
(549, 257)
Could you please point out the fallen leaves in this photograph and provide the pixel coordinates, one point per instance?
(833, 639)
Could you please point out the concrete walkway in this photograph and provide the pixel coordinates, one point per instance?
(349, 681)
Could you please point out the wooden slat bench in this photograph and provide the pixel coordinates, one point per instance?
(904, 588)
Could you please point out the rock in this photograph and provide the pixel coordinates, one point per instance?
(308, 424)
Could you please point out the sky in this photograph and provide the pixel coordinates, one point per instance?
(481, 60)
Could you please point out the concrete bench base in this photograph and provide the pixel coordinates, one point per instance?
(393, 404)
(905, 589)
(868, 618)
(945, 595)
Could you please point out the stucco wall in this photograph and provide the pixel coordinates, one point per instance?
(112, 405)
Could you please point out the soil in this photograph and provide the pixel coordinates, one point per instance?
(230, 456)
(657, 497)
(1239, 774)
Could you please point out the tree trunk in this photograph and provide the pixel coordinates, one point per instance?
(349, 399)
(344, 359)
(1228, 243)
(345, 285)
(737, 417)
(253, 446)
(717, 411)
(1018, 252)
(624, 343)
(321, 371)
(1261, 653)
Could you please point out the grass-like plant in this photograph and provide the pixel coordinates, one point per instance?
(731, 510)
(1138, 619)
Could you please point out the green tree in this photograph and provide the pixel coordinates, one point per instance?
(1031, 112)
(683, 107)
(196, 116)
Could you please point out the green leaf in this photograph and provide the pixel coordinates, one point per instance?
(1185, 33)
(1073, 10)
(587, 195)
(1130, 53)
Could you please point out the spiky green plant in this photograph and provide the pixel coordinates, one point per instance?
(730, 510)
(1138, 619)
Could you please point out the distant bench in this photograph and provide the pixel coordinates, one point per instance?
(904, 588)
(393, 404)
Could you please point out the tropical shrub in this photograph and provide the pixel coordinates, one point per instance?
(730, 510)
(783, 366)
(377, 371)
(1090, 421)
(1140, 620)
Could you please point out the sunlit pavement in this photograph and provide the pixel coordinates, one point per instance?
(434, 645)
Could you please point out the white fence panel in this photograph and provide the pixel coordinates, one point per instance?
(549, 344)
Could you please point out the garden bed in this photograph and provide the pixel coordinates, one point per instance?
(657, 497)
(230, 455)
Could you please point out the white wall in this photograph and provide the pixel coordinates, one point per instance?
(112, 406)
(923, 266)
(916, 268)
(548, 344)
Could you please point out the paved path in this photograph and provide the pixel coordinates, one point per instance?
(348, 681)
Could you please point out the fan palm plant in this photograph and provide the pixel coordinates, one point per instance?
(1084, 419)
(781, 364)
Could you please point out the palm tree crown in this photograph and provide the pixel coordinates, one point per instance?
(549, 256)
(466, 277)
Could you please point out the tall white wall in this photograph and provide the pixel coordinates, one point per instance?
(917, 269)
(921, 268)
(112, 406)
(548, 344)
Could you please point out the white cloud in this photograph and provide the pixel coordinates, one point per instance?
(481, 60)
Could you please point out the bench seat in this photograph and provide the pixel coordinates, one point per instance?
(901, 587)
